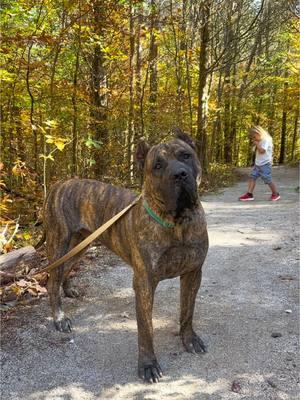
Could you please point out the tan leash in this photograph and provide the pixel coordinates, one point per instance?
(87, 240)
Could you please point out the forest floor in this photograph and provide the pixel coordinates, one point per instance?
(246, 313)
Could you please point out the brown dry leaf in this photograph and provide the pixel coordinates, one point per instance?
(7, 248)
(40, 289)
(22, 283)
(33, 291)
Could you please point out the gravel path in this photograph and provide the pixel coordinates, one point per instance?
(249, 295)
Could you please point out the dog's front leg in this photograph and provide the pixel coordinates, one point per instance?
(148, 367)
(189, 286)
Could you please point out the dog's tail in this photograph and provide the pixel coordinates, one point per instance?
(41, 222)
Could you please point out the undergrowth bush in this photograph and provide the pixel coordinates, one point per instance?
(217, 176)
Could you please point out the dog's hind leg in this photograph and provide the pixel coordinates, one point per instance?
(55, 251)
(69, 289)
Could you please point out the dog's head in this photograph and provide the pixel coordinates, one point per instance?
(172, 174)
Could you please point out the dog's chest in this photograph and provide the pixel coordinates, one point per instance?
(179, 259)
(169, 253)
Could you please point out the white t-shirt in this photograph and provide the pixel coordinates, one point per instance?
(266, 157)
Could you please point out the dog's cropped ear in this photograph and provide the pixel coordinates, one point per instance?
(141, 152)
(184, 137)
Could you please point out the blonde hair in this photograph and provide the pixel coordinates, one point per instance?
(263, 134)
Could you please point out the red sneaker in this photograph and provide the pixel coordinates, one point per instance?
(274, 197)
(246, 197)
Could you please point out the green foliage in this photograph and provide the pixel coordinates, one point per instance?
(219, 175)
(92, 143)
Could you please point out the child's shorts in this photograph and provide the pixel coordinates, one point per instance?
(263, 171)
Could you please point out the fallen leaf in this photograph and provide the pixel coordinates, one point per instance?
(22, 283)
(33, 291)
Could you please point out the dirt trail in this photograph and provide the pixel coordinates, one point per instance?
(249, 292)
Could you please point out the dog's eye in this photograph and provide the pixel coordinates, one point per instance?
(158, 165)
(186, 156)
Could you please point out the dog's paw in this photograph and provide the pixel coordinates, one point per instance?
(63, 325)
(192, 343)
(150, 371)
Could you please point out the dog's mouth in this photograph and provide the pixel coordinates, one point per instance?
(185, 198)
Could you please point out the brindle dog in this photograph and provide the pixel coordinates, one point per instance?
(163, 236)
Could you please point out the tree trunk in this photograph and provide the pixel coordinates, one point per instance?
(179, 46)
(130, 126)
(98, 82)
(188, 62)
(283, 121)
(31, 117)
(202, 85)
(228, 42)
(237, 7)
(21, 153)
(295, 131)
(138, 112)
(75, 113)
(217, 139)
(32, 100)
(271, 113)
(153, 54)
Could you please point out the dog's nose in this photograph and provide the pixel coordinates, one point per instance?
(180, 175)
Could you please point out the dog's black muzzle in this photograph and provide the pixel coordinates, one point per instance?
(185, 188)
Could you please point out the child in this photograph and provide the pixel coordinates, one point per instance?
(263, 145)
